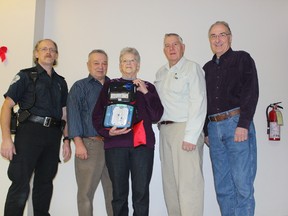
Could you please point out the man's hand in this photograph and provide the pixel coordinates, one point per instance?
(7, 146)
(186, 146)
(80, 149)
(241, 134)
(66, 151)
(8, 149)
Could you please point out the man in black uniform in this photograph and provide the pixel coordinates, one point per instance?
(42, 101)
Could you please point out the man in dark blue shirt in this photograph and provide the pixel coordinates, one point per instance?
(90, 165)
(232, 95)
(37, 141)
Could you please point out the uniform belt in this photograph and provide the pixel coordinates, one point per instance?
(223, 116)
(98, 138)
(45, 121)
(166, 122)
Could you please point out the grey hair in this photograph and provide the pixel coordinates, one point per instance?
(100, 51)
(220, 23)
(130, 50)
(173, 34)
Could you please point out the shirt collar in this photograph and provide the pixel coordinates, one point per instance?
(222, 57)
(90, 78)
(178, 65)
(40, 69)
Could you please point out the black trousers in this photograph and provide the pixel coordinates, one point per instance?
(37, 149)
(137, 162)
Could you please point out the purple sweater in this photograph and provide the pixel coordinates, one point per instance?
(148, 108)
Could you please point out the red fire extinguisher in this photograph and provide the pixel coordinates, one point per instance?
(274, 121)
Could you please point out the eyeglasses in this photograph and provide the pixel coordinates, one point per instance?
(126, 61)
(46, 49)
(220, 36)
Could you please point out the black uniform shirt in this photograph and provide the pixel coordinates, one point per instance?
(51, 92)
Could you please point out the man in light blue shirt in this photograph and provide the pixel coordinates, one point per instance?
(90, 165)
(182, 90)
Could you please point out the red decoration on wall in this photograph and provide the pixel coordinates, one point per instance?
(3, 51)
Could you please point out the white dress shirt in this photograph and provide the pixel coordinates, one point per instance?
(182, 91)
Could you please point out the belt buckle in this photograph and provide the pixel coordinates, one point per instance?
(212, 118)
(47, 121)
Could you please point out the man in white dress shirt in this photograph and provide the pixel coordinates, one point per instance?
(181, 86)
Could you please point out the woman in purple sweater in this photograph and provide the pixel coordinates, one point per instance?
(130, 149)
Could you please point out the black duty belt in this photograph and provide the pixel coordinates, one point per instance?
(45, 121)
(223, 116)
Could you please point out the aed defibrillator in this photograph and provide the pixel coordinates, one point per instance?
(120, 109)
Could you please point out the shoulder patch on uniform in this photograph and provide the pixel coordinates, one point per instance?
(15, 79)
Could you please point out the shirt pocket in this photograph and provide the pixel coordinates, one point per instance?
(178, 84)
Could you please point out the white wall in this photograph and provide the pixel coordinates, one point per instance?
(17, 33)
(258, 27)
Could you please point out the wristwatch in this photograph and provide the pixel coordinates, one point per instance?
(66, 138)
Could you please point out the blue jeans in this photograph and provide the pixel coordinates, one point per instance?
(234, 167)
(120, 163)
